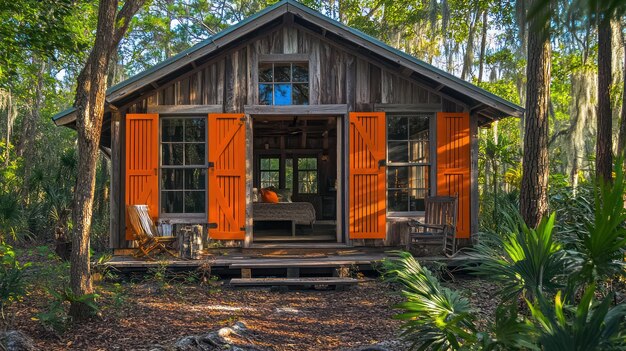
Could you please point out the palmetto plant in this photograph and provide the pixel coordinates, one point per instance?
(526, 262)
(588, 326)
(509, 331)
(600, 248)
(434, 317)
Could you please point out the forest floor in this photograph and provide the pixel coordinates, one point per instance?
(160, 309)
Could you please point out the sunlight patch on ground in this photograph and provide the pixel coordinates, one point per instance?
(286, 310)
(228, 308)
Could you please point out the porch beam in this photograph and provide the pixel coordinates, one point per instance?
(407, 107)
(185, 109)
(283, 57)
(330, 109)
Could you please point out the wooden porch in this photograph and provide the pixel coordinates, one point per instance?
(288, 260)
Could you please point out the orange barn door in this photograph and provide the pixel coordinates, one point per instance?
(367, 200)
(142, 164)
(227, 176)
(453, 164)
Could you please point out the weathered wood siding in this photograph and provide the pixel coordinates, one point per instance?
(337, 75)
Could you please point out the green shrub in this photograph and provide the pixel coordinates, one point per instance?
(434, 316)
(600, 249)
(587, 326)
(526, 262)
(12, 287)
(55, 319)
(548, 273)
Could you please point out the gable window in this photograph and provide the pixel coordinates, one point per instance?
(284, 83)
(408, 162)
(183, 165)
(269, 171)
(307, 175)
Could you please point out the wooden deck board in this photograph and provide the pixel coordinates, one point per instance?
(228, 261)
(304, 263)
(292, 281)
(238, 261)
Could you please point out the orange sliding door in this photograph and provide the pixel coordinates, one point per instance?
(227, 176)
(453, 164)
(142, 164)
(367, 200)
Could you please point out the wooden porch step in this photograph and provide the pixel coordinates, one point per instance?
(333, 281)
(296, 263)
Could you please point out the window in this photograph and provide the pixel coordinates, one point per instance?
(270, 172)
(284, 83)
(307, 175)
(408, 162)
(183, 165)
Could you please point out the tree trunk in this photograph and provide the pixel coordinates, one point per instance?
(30, 127)
(604, 141)
(10, 120)
(621, 143)
(621, 140)
(483, 47)
(89, 103)
(469, 49)
(582, 111)
(533, 195)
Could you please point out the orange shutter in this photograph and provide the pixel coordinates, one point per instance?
(453, 164)
(142, 164)
(368, 212)
(227, 176)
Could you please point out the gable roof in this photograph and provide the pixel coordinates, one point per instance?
(489, 104)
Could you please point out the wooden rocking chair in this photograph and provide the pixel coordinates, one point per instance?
(148, 242)
(440, 218)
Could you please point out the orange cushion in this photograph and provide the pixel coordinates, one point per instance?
(269, 196)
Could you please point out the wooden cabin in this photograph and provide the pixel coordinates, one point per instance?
(350, 134)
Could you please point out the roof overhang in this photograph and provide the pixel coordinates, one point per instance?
(481, 103)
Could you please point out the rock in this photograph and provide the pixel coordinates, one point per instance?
(15, 340)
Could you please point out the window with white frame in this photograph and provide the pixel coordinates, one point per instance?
(269, 172)
(307, 175)
(408, 162)
(183, 165)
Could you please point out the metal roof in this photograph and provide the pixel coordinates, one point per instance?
(432, 72)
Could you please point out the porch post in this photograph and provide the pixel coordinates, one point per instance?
(114, 207)
(249, 180)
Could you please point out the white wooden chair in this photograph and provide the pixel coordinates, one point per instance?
(149, 243)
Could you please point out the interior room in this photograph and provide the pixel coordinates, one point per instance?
(295, 178)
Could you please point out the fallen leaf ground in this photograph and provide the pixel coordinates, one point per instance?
(136, 315)
(148, 314)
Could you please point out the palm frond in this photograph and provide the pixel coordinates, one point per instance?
(528, 261)
(588, 326)
(434, 317)
(602, 246)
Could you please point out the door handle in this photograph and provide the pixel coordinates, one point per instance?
(382, 163)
